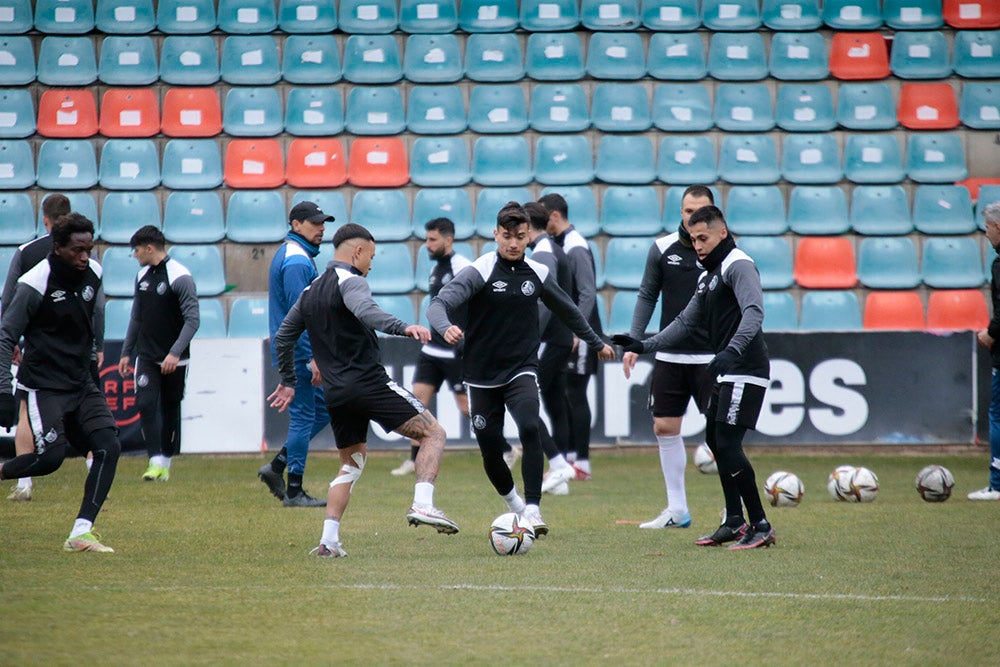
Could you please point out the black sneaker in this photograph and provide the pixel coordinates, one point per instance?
(722, 535)
(275, 482)
(303, 500)
(755, 539)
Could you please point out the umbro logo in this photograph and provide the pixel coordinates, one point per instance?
(58, 295)
(500, 286)
(673, 259)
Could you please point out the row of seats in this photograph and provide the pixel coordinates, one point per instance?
(437, 16)
(493, 109)
(134, 164)
(247, 318)
(374, 59)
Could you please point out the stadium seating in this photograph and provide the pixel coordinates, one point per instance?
(205, 264)
(117, 314)
(400, 305)
(798, 56)
(677, 57)
(18, 217)
(737, 56)
(247, 17)
(811, 158)
(912, 14)
(81, 202)
(559, 108)
(120, 270)
(17, 18)
(130, 112)
(487, 15)
(852, 14)
(743, 108)
(927, 106)
(432, 59)
(858, 55)
(17, 56)
(880, 210)
(824, 262)
(392, 269)
(451, 203)
(920, 55)
(65, 164)
(67, 61)
(683, 107)
(314, 112)
(186, 17)
(562, 160)
(620, 107)
(368, 16)
(191, 164)
(779, 312)
(888, 262)
(873, 158)
(254, 163)
(616, 56)
(730, 14)
(830, 310)
(866, 106)
(498, 109)
(952, 262)
(629, 211)
(935, 158)
(975, 54)
(554, 56)
(971, 14)
(943, 209)
(191, 112)
(687, 160)
(250, 60)
(426, 17)
(436, 110)
(820, 210)
(64, 17)
(372, 59)
(211, 319)
(124, 212)
(316, 163)
(189, 60)
(957, 310)
(17, 167)
(385, 213)
(791, 14)
(773, 258)
(625, 159)
(439, 162)
(67, 114)
(544, 15)
(603, 15)
(257, 216)
(489, 201)
(805, 108)
(580, 204)
(193, 217)
(501, 161)
(493, 57)
(979, 108)
(377, 163)
(128, 61)
(311, 60)
(674, 15)
(248, 318)
(622, 309)
(756, 209)
(894, 310)
(749, 159)
(330, 201)
(375, 110)
(310, 17)
(129, 164)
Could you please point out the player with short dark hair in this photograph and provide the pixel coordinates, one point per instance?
(341, 316)
(164, 319)
(729, 304)
(53, 308)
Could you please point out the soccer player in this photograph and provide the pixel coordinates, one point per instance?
(582, 362)
(53, 308)
(164, 319)
(500, 364)
(988, 338)
(670, 276)
(341, 316)
(293, 268)
(438, 361)
(728, 303)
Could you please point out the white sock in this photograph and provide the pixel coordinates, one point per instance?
(583, 464)
(558, 461)
(331, 532)
(514, 502)
(673, 459)
(165, 462)
(160, 460)
(81, 527)
(24, 483)
(532, 509)
(571, 457)
(423, 494)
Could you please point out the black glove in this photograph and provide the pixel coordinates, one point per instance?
(8, 410)
(628, 343)
(722, 363)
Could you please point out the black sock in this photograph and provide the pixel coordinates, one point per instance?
(280, 461)
(294, 485)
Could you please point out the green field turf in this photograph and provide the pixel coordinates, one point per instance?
(211, 570)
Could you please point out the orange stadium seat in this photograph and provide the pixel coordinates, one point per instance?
(972, 14)
(130, 112)
(254, 163)
(825, 262)
(901, 311)
(67, 113)
(859, 55)
(191, 112)
(927, 106)
(316, 163)
(378, 162)
(957, 310)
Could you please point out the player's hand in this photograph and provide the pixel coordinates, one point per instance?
(281, 397)
(100, 360)
(628, 363)
(15, 358)
(8, 410)
(722, 363)
(576, 344)
(125, 367)
(607, 353)
(627, 342)
(985, 339)
(169, 364)
(317, 379)
(423, 334)
(453, 334)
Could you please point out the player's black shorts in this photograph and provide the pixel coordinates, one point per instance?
(738, 403)
(58, 417)
(582, 360)
(435, 370)
(149, 378)
(673, 385)
(388, 404)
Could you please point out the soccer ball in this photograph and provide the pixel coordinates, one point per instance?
(862, 486)
(934, 483)
(510, 535)
(704, 460)
(839, 482)
(784, 489)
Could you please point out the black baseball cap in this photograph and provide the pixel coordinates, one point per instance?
(307, 211)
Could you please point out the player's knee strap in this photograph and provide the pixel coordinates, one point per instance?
(350, 474)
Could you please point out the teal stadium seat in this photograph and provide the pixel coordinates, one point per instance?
(830, 310)
(17, 19)
(432, 59)
(18, 217)
(820, 210)
(248, 318)
(189, 60)
(186, 17)
(17, 165)
(581, 205)
(730, 14)
(880, 210)
(129, 164)
(743, 107)
(629, 211)
(873, 158)
(252, 112)
(779, 312)
(372, 59)
(427, 16)
(194, 217)
(67, 164)
(737, 56)
(920, 55)
(439, 162)
(309, 17)
(212, 319)
(811, 159)
(625, 261)
(117, 314)
(798, 56)
(501, 161)
(943, 209)
(451, 203)
(979, 107)
(487, 15)
(375, 110)
(256, 216)
(80, 202)
(191, 164)
(852, 14)
(311, 60)
(549, 15)
(750, 159)
(554, 56)
(625, 159)
(206, 267)
(773, 258)
(976, 54)
(952, 263)
(247, 17)
(368, 17)
(912, 14)
(125, 17)
(621, 107)
(616, 56)
(889, 262)
(672, 15)
(128, 61)
(805, 108)
(791, 14)
(682, 107)
(385, 213)
(436, 110)
(64, 17)
(400, 305)
(677, 57)
(331, 202)
(124, 212)
(67, 61)
(866, 106)
(622, 309)
(498, 109)
(489, 201)
(392, 269)
(314, 112)
(493, 57)
(599, 273)
(935, 158)
(250, 60)
(610, 15)
(17, 61)
(559, 108)
(687, 160)
(756, 209)
(119, 271)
